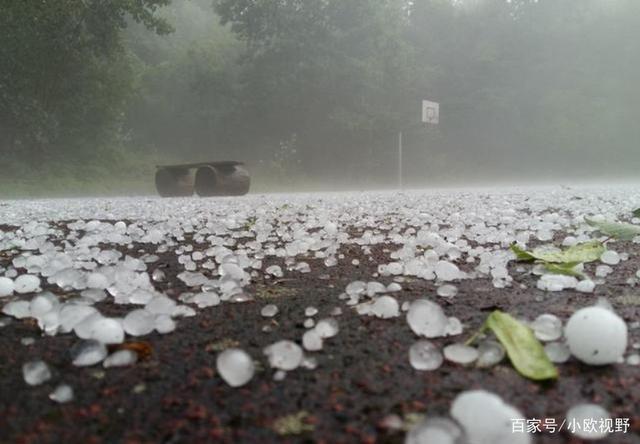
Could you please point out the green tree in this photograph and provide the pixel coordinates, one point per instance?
(65, 76)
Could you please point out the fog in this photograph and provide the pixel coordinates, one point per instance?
(312, 94)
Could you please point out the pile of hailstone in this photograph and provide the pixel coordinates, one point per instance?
(62, 269)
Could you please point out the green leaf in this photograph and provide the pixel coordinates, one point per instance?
(636, 212)
(617, 230)
(584, 252)
(568, 268)
(525, 352)
(521, 254)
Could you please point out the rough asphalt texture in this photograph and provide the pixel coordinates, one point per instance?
(363, 374)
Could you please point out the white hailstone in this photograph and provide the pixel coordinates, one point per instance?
(235, 367)
(43, 304)
(97, 281)
(586, 286)
(356, 288)
(394, 268)
(61, 394)
(206, 299)
(302, 267)
(310, 311)
(556, 282)
(269, 311)
(569, 241)
(161, 305)
(274, 270)
(490, 353)
(279, 375)
(164, 324)
(139, 322)
(36, 372)
(87, 353)
(72, 314)
(6, 287)
(446, 271)
(27, 341)
(454, 327)
(311, 340)
(447, 291)
(633, 359)
(158, 275)
(121, 358)
(26, 283)
(393, 287)
(107, 331)
(84, 328)
(424, 355)
(284, 355)
(547, 327)
(374, 288)
(17, 309)
(310, 363)
(603, 271)
(427, 319)
(557, 352)
(610, 257)
(327, 328)
(385, 307)
(585, 414)
(434, 431)
(336, 311)
(94, 295)
(460, 354)
(596, 336)
(486, 418)
(309, 322)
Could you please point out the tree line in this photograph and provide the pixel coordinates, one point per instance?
(312, 92)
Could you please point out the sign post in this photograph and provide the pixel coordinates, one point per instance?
(430, 115)
(400, 160)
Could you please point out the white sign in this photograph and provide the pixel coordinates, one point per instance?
(430, 112)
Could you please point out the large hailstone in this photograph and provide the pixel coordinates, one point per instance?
(596, 336)
(235, 366)
(487, 419)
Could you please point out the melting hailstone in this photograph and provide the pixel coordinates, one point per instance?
(585, 414)
(62, 393)
(487, 419)
(235, 366)
(36, 372)
(327, 328)
(435, 431)
(139, 322)
(385, 307)
(269, 311)
(88, 352)
(121, 358)
(460, 354)
(596, 336)
(427, 319)
(547, 327)
(284, 355)
(424, 355)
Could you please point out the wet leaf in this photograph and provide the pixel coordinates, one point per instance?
(618, 230)
(636, 212)
(567, 269)
(584, 252)
(525, 351)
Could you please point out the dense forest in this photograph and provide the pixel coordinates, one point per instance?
(312, 93)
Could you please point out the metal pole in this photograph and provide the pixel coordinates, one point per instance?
(400, 160)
